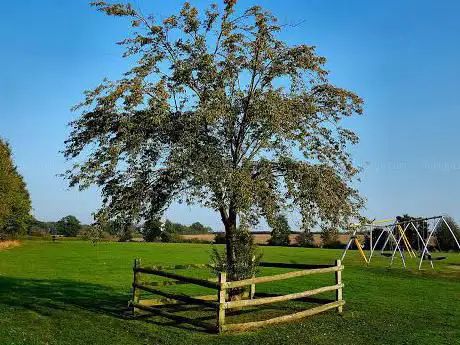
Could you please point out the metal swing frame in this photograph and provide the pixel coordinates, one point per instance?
(373, 245)
(396, 227)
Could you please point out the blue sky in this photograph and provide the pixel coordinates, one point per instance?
(402, 57)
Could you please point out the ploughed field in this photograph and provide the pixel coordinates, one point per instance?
(73, 292)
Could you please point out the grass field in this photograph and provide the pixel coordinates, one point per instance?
(72, 292)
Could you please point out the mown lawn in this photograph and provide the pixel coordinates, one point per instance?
(72, 292)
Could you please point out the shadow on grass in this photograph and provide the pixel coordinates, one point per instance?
(48, 295)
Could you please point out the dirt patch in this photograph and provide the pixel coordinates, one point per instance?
(454, 266)
(4, 245)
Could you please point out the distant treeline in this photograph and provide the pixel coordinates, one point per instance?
(70, 226)
(195, 228)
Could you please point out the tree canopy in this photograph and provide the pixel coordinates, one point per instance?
(15, 203)
(68, 226)
(217, 111)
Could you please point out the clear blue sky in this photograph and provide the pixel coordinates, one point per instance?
(402, 57)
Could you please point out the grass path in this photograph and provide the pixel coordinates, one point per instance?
(72, 292)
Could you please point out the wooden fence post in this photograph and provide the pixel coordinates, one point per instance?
(221, 300)
(338, 280)
(136, 291)
(252, 290)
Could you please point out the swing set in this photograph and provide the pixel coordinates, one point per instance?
(393, 234)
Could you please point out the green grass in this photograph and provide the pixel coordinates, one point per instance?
(76, 293)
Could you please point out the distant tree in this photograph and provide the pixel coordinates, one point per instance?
(69, 226)
(280, 232)
(104, 226)
(112, 227)
(181, 229)
(151, 231)
(305, 239)
(36, 226)
(170, 227)
(375, 235)
(126, 232)
(409, 231)
(198, 228)
(217, 111)
(444, 237)
(94, 234)
(15, 204)
(330, 238)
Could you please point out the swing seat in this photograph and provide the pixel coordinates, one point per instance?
(429, 257)
(437, 258)
(388, 255)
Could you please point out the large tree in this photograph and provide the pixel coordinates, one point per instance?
(15, 203)
(217, 111)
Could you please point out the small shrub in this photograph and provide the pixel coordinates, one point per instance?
(169, 237)
(126, 235)
(94, 233)
(305, 239)
(35, 231)
(220, 238)
(248, 254)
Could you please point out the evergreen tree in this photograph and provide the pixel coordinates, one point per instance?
(15, 204)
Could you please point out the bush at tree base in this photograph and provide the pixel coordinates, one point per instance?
(249, 256)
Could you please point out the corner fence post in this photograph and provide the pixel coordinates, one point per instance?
(136, 291)
(252, 289)
(338, 280)
(222, 278)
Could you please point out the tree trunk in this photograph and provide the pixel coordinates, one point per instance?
(230, 234)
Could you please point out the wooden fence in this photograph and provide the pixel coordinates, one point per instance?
(219, 301)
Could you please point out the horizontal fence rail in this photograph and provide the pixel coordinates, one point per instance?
(282, 298)
(282, 276)
(284, 318)
(201, 282)
(178, 297)
(220, 302)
